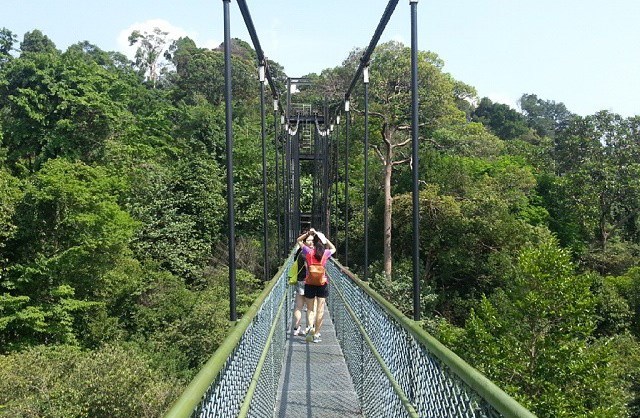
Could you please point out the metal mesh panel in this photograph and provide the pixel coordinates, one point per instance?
(431, 387)
(227, 392)
(264, 399)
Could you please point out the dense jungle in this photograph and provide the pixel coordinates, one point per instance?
(113, 229)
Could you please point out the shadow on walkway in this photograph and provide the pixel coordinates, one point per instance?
(315, 381)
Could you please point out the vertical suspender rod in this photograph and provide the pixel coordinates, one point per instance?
(229, 142)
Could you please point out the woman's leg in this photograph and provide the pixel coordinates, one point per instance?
(310, 311)
(319, 313)
(297, 310)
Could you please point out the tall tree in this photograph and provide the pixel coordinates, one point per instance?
(10, 196)
(598, 159)
(70, 234)
(7, 40)
(58, 105)
(503, 121)
(150, 50)
(391, 104)
(546, 117)
(36, 41)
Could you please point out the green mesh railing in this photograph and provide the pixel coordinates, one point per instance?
(397, 368)
(241, 378)
(400, 370)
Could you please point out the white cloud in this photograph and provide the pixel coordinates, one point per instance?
(174, 33)
(399, 38)
(210, 43)
(504, 99)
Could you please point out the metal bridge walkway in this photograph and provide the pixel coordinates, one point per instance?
(372, 361)
(315, 381)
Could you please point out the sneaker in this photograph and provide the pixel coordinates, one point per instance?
(316, 338)
(296, 331)
(307, 330)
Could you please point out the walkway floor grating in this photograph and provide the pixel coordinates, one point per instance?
(315, 381)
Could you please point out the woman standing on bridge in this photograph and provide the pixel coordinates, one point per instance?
(316, 288)
(300, 270)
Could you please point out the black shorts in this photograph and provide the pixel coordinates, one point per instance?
(311, 291)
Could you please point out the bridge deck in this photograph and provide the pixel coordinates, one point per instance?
(315, 381)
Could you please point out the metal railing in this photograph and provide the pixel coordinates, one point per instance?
(397, 368)
(400, 370)
(241, 378)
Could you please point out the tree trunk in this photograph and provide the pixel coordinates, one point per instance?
(388, 202)
(602, 223)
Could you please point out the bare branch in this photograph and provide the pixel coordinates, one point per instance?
(408, 127)
(403, 143)
(404, 161)
(432, 141)
(377, 114)
(384, 137)
(377, 149)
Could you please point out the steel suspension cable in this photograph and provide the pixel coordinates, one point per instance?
(336, 174)
(246, 15)
(283, 154)
(364, 60)
(287, 215)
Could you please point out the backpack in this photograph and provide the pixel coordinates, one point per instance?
(297, 271)
(293, 273)
(316, 270)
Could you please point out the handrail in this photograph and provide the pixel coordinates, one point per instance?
(218, 365)
(244, 410)
(501, 401)
(394, 383)
(195, 391)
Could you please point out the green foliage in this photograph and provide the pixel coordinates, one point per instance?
(37, 42)
(503, 121)
(7, 40)
(613, 313)
(70, 233)
(468, 140)
(177, 210)
(200, 72)
(62, 381)
(475, 215)
(546, 117)
(594, 201)
(390, 90)
(628, 286)
(149, 51)
(57, 105)
(164, 324)
(10, 194)
(183, 327)
(534, 338)
(626, 363)
(399, 289)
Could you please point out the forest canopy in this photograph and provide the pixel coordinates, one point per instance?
(113, 233)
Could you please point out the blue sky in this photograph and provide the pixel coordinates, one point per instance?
(582, 53)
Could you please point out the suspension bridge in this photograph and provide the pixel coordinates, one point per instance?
(373, 361)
